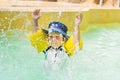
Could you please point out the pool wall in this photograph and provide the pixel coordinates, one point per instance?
(23, 20)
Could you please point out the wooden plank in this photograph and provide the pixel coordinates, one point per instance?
(44, 6)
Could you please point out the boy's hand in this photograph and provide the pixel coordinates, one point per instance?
(35, 14)
(78, 19)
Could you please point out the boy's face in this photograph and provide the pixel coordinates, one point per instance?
(55, 39)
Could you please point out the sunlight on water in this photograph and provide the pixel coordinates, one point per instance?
(99, 59)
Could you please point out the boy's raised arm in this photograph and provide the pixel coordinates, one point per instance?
(78, 20)
(35, 17)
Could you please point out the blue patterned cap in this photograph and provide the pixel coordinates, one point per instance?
(57, 27)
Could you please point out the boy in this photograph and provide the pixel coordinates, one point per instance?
(57, 53)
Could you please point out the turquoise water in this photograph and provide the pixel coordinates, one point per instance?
(99, 59)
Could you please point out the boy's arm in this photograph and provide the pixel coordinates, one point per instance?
(78, 20)
(35, 17)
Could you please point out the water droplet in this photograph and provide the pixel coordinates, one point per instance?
(6, 18)
(60, 13)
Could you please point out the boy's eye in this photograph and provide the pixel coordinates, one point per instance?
(50, 37)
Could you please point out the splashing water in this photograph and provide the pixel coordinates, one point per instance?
(99, 59)
(59, 14)
(16, 17)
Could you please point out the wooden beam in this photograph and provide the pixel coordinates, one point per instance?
(44, 6)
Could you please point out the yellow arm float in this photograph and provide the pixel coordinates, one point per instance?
(38, 40)
(70, 45)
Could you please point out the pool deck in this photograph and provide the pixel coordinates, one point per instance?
(49, 6)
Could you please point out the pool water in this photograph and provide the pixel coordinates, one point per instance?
(99, 59)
